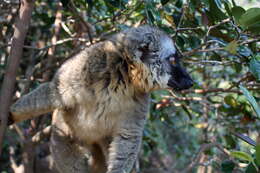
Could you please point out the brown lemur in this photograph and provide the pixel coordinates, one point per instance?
(100, 99)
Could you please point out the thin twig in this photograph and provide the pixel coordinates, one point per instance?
(174, 97)
(237, 29)
(209, 62)
(203, 148)
(206, 41)
(51, 45)
(187, 29)
(198, 49)
(246, 77)
(250, 41)
(211, 90)
(184, 7)
(87, 26)
(19, 132)
(215, 26)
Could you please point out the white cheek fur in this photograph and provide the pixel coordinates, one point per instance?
(168, 44)
(161, 80)
(168, 48)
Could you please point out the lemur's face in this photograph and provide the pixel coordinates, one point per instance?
(154, 59)
(163, 61)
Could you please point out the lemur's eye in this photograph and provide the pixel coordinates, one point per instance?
(154, 52)
(172, 60)
(144, 48)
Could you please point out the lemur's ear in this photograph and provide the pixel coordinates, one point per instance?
(149, 37)
(148, 41)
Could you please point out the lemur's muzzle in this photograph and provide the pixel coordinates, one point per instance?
(180, 79)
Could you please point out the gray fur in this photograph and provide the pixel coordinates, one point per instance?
(100, 100)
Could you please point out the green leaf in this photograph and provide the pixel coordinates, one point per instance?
(230, 100)
(244, 50)
(251, 100)
(215, 10)
(227, 166)
(150, 16)
(176, 19)
(194, 4)
(254, 28)
(234, 3)
(254, 67)
(163, 2)
(227, 8)
(251, 16)
(251, 168)
(115, 4)
(237, 67)
(237, 12)
(257, 154)
(231, 143)
(232, 47)
(215, 57)
(218, 3)
(180, 41)
(169, 19)
(65, 3)
(242, 156)
(179, 3)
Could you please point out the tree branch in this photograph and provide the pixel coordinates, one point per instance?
(20, 29)
(210, 90)
(215, 26)
(50, 45)
(202, 149)
(85, 24)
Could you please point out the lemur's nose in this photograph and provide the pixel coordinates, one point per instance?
(187, 83)
(190, 83)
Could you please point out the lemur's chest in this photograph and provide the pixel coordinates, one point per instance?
(100, 117)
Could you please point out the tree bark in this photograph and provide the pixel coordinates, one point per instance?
(21, 26)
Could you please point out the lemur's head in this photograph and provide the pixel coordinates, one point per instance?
(154, 60)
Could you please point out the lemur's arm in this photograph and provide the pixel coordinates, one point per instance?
(42, 100)
(126, 145)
